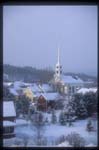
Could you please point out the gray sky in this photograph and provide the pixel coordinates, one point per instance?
(32, 34)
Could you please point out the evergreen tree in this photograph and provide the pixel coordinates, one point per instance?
(79, 106)
(81, 110)
(90, 100)
(62, 118)
(69, 111)
(54, 118)
(22, 105)
(89, 126)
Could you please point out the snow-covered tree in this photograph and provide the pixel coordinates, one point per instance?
(75, 140)
(22, 105)
(79, 106)
(53, 117)
(69, 112)
(37, 122)
(62, 118)
(89, 125)
(90, 100)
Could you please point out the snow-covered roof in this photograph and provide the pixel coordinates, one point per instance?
(51, 96)
(35, 88)
(70, 80)
(85, 90)
(8, 123)
(13, 91)
(46, 87)
(21, 122)
(8, 109)
(7, 83)
(18, 84)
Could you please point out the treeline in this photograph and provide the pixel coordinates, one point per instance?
(30, 74)
(27, 74)
(83, 76)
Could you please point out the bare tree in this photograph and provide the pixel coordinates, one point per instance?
(75, 140)
(38, 126)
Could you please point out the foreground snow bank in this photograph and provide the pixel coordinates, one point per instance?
(64, 144)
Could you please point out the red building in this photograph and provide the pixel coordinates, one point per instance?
(47, 100)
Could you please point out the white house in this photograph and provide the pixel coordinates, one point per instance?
(9, 117)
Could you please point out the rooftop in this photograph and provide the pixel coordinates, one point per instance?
(70, 79)
(8, 109)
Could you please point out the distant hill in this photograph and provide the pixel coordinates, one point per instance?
(30, 74)
(83, 76)
(27, 74)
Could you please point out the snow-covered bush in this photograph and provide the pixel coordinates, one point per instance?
(61, 139)
(75, 140)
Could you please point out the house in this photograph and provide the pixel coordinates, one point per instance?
(14, 92)
(9, 117)
(28, 93)
(47, 101)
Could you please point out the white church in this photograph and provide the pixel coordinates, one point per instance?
(67, 85)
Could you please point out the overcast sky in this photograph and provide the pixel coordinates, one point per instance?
(32, 35)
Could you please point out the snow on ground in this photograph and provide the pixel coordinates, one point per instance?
(53, 132)
(64, 144)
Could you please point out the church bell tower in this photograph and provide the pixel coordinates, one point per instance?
(58, 68)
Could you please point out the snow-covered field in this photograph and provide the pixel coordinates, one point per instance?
(51, 132)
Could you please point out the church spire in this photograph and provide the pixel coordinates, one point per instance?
(58, 69)
(58, 55)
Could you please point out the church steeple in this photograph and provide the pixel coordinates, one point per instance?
(58, 57)
(58, 69)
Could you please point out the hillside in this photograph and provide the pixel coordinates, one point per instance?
(30, 74)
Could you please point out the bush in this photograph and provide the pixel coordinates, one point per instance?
(75, 140)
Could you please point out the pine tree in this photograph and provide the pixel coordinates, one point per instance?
(70, 112)
(80, 107)
(54, 118)
(89, 126)
(90, 100)
(81, 110)
(62, 118)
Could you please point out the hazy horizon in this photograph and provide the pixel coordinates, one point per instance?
(32, 35)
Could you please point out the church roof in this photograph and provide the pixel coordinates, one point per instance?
(70, 79)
